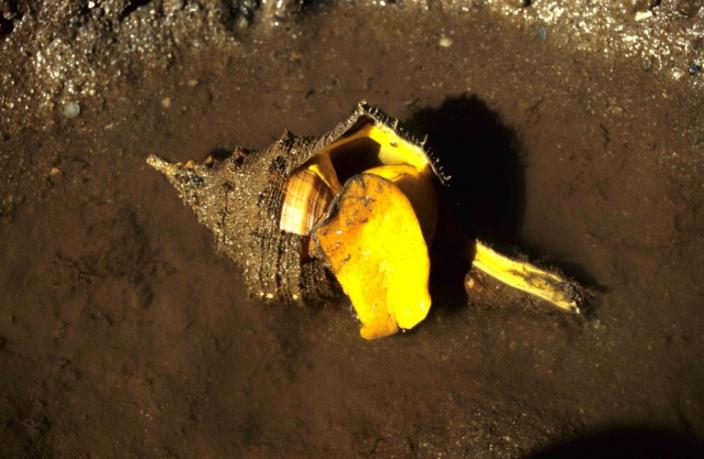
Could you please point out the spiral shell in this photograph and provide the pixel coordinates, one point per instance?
(261, 205)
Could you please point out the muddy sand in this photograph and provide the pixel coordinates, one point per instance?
(574, 133)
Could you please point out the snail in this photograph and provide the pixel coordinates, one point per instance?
(355, 209)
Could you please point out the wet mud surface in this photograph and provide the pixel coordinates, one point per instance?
(123, 332)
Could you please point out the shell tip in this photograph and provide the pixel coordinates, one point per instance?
(160, 164)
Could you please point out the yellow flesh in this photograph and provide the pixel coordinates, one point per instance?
(377, 239)
(418, 188)
(376, 249)
(526, 277)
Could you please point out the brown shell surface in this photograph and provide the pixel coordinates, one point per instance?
(240, 199)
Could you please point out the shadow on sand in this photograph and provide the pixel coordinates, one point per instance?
(641, 443)
(485, 196)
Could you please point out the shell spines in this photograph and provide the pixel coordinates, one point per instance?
(379, 116)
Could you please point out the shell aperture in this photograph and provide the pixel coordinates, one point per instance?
(375, 239)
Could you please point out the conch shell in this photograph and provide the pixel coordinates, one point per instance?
(262, 206)
(355, 208)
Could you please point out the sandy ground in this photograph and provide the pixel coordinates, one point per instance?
(123, 333)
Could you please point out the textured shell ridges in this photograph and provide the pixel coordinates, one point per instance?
(240, 199)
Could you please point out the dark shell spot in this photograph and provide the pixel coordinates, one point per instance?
(191, 178)
(278, 165)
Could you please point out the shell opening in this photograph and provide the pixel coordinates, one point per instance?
(373, 145)
(312, 187)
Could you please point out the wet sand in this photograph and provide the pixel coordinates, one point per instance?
(123, 332)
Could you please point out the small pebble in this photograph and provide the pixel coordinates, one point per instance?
(694, 69)
(647, 64)
(166, 102)
(445, 42)
(72, 110)
(245, 17)
(643, 15)
(469, 283)
(55, 172)
(542, 33)
(192, 83)
(243, 22)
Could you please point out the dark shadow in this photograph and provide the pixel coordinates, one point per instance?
(485, 195)
(131, 6)
(220, 154)
(480, 154)
(6, 27)
(626, 443)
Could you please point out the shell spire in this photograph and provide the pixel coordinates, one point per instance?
(240, 200)
(199, 187)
